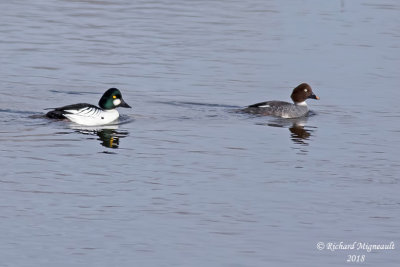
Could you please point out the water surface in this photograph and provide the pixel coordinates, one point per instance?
(185, 180)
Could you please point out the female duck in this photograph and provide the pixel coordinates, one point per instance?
(90, 115)
(284, 109)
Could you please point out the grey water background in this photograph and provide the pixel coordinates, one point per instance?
(184, 180)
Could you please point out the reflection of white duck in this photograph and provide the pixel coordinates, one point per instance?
(284, 109)
(90, 115)
(109, 135)
(92, 129)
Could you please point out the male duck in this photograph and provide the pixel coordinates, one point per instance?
(90, 115)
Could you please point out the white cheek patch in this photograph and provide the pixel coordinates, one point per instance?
(305, 90)
(116, 102)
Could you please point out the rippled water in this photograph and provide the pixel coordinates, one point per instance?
(183, 179)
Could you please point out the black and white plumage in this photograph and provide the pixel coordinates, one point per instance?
(59, 113)
(91, 115)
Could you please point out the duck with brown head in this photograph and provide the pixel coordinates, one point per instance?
(285, 109)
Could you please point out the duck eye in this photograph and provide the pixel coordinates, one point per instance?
(114, 97)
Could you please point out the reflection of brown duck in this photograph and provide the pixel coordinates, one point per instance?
(299, 134)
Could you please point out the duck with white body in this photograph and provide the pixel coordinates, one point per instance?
(91, 115)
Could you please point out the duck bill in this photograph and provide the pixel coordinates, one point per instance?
(314, 97)
(124, 104)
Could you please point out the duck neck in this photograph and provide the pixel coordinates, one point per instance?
(300, 103)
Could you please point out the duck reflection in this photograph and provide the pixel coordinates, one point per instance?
(299, 134)
(108, 136)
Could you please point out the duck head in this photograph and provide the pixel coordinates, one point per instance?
(111, 99)
(301, 93)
